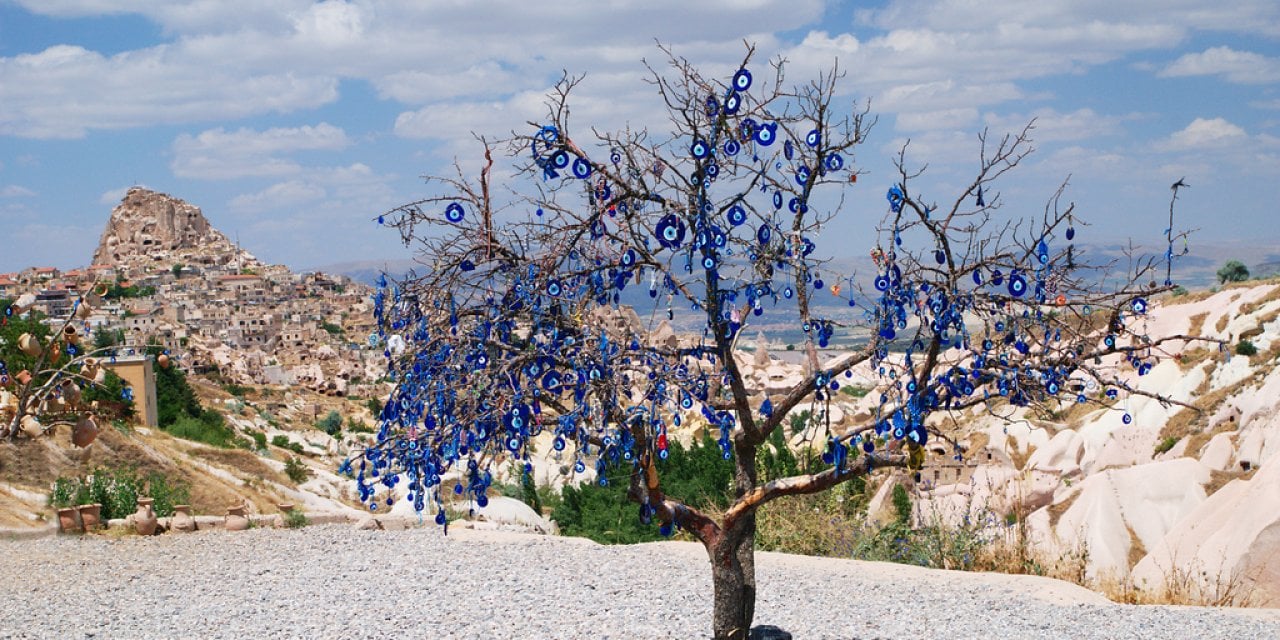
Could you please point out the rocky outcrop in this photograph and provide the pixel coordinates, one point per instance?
(147, 228)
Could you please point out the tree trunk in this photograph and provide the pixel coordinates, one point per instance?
(734, 586)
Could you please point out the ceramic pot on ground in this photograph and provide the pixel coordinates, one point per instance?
(182, 520)
(69, 520)
(285, 508)
(236, 520)
(91, 516)
(144, 519)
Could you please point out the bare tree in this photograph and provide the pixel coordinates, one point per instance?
(507, 333)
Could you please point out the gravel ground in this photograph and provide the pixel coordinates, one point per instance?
(338, 582)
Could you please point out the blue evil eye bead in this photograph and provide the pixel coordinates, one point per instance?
(1017, 285)
(1138, 305)
(513, 443)
(834, 162)
(579, 467)
(670, 231)
(818, 284)
(731, 148)
(766, 134)
(742, 80)
(777, 199)
(787, 292)
(1110, 341)
(686, 401)
(699, 149)
(440, 520)
(615, 156)
(737, 215)
(732, 104)
(454, 213)
(708, 262)
(763, 234)
(558, 444)
(467, 265)
(977, 277)
(882, 283)
(1071, 233)
(713, 170)
(940, 256)
(560, 159)
(788, 150)
(629, 258)
(895, 196)
(713, 107)
(581, 169)
(553, 288)
(539, 212)
(981, 202)
(868, 446)
(1127, 419)
(813, 138)
(997, 277)
(802, 175)
(551, 381)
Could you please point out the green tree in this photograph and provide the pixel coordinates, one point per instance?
(1233, 271)
(331, 424)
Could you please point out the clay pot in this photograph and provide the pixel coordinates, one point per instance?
(85, 431)
(163, 361)
(236, 520)
(23, 377)
(70, 334)
(71, 392)
(32, 427)
(182, 520)
(83, 310)
(29, 345)
(144, 519)
(91, 516)
(69, 520)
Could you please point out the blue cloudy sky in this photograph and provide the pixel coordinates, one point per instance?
(293, 123)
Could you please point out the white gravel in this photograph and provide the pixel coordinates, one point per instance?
(338, 582)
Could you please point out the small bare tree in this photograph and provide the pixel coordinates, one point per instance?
(508, 332)
(47, 372)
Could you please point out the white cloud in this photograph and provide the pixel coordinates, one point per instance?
(221, 154)
(1242, 67)
(354, 187)
(1205, 133)
(1052, 125)
(67, 90)
(16, 191)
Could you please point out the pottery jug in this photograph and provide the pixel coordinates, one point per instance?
(71, 391)
(236, 520)
(91, 516)
(85, 431)
(83, 310)
(70, 334)
(182, 520)
(32, 427)
(69, 520)
(29, 345)
(144, 519)
(163, 361)
(23, 377)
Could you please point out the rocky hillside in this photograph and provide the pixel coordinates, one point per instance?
(149, 228)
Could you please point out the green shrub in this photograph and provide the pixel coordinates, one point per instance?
(259, 440)
(209, 428)
(284, 442)
(297, 471)
(375, 407)
(854, 391)
(118, 490)
(1166, 444)
(1246, 348)
(295, 519)
(699, 476)
(331, 423)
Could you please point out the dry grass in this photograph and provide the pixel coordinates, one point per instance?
(1197, 323)
(1222, 323)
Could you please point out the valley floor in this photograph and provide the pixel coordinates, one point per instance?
(336, 581)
